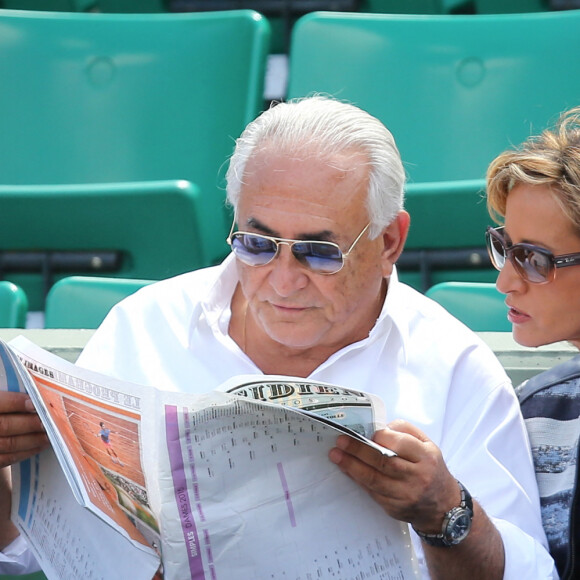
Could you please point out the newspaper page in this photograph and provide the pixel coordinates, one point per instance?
(257, 497)
(113, 538)
(222, 485)
(358, 413)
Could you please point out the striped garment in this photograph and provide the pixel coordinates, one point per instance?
(550, 404)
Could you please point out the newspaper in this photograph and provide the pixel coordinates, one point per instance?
(234, 484)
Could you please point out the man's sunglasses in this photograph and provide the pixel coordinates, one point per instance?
(259, 250)
(534, 264)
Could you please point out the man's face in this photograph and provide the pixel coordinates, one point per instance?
(308, 199)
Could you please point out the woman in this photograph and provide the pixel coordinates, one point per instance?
(535, 192)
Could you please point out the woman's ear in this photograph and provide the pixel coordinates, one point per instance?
(394, 237)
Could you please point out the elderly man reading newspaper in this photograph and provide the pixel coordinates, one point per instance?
(310, 290)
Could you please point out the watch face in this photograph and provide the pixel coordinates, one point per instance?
(458, 526)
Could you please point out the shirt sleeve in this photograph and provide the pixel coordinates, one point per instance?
(17, 558)
(489, 437)
(525, 557)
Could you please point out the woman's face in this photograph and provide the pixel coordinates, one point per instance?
(541, 313)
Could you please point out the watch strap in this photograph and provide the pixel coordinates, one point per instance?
(443, 539)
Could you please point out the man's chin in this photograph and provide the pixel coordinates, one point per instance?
(294, 340)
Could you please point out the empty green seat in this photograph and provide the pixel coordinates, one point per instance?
(478, 305)
(84, 301)
(454, 90)
(146, 230)
(13, 305)
(446, 240)
(103, 98)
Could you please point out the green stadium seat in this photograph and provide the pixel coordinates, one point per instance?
(104, 98)
(446, 238)
(13, 305)
(455, 90)
(84, 301)
(146, 230)
(478, 305)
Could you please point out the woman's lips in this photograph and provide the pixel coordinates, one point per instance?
(517, 316)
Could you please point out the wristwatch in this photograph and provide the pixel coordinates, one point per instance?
(456, 523)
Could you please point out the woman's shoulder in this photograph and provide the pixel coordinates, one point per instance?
(557, 389)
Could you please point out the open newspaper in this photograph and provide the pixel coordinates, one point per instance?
(234, 484)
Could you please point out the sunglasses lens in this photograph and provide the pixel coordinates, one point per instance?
(322, 257)
(534, 266)
(253, 250)
(496, 250)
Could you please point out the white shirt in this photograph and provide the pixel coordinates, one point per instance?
(428, 368)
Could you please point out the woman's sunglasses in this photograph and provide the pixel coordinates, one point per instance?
(320, 257)
(534, 264)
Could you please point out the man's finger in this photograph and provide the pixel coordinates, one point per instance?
(15, 403)
(7, 459)
(19, 424)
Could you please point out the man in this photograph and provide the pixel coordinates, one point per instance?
(105, 435)
(311, 290)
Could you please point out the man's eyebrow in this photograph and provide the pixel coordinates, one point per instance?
(322, 235)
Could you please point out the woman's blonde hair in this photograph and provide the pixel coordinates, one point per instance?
(551, 158)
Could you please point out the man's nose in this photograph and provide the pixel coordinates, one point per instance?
(287, 275)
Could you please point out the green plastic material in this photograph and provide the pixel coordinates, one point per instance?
(459, 209)
(155, 225)
(96, 98)
(13, 305)
(447, 215)
(478, 305)
(454, 90)
(84, 301)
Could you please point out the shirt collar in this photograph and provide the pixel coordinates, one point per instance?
(216, 305)
(396, 311)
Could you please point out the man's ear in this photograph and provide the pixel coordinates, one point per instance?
(394, 237)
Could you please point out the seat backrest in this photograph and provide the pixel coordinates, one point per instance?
(13, 305)
(93, 98)
(84, 301)
(454, 90)
(131, 230)
(446, 239)
(478, 305)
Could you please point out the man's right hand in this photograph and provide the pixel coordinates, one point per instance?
(21, 432)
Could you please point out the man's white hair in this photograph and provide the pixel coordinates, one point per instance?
(323, 127)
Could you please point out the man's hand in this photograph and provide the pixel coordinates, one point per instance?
(414, 487)
(21, 432)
